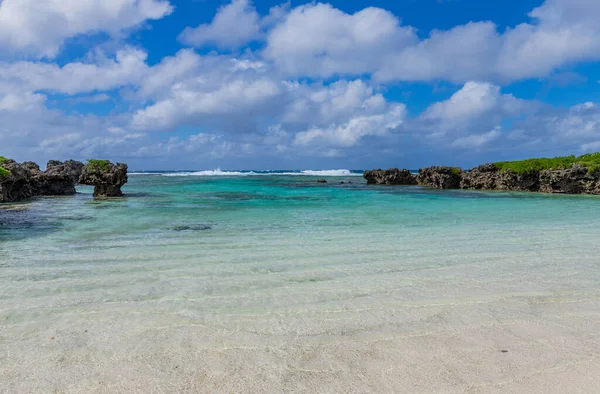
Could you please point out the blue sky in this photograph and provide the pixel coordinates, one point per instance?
(265, 84)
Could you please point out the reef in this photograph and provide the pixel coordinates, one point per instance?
(106, 177)
(392, 176)
(20, 181)
(567, 175)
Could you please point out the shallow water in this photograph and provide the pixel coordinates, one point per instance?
(279, 284)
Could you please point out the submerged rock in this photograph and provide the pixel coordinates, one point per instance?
(106, 177)
(392, 176)
(192, 227)
(440, 177)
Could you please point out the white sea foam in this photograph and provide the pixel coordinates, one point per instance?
(329, 173)
(219, 172)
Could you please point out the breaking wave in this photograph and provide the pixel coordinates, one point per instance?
(219, 172)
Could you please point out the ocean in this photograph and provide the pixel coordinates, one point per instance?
(253, 282)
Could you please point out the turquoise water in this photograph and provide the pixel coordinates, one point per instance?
(243, 274)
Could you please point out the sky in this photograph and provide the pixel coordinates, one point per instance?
(269, 84)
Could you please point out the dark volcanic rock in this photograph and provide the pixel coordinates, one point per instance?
(483, 177)
(70, 168)
(575, 180)
(107, 178)
(489, 177)
(321, 180)
(392, 176)
(59, 179)
(26, 180)
(16, 186)
(525, 182)
(440, 177)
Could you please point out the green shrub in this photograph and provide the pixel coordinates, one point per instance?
(3, 171)
(98, 165)
(455, 170)
(591, 161)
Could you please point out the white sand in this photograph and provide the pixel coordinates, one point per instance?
(552, 346)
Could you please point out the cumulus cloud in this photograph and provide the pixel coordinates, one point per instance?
(102, 73)
(316, 88)
(247, 100)
(234, 25)
(39, 28)
(472, 101)
(475, 141)
(319, 40)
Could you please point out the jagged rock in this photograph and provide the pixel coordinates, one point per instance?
(106, 177)
(575, 180)
(70, 168)
(392, 176)
(489, 177)
(525, 182)
(440, 177)
(26, 180)
(483, 177)
(59, 179)
(15, 186)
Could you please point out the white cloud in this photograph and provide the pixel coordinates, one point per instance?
(198, 100)
(474, 101)
(127, 67)
(458, 55)
(350, 132)
(476, 141)
(320, 40)
(234, 25)
(39, 28)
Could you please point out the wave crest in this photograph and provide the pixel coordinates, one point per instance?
(219, 172)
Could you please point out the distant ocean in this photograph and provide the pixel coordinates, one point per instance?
(267, 281)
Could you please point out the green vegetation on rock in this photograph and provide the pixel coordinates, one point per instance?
(3, 171)
(98, 165)
(591, 161)
(455, 170)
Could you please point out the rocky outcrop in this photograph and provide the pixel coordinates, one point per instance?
(106, 177)
(440, 177)
(26, 180)
(70, 168)
(59, 179)
(574, 180)
(489, 177)
(483, 177)
(393, 176)
(15, 185)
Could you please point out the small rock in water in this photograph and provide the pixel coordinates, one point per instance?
(322, 181)
(192, 227)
